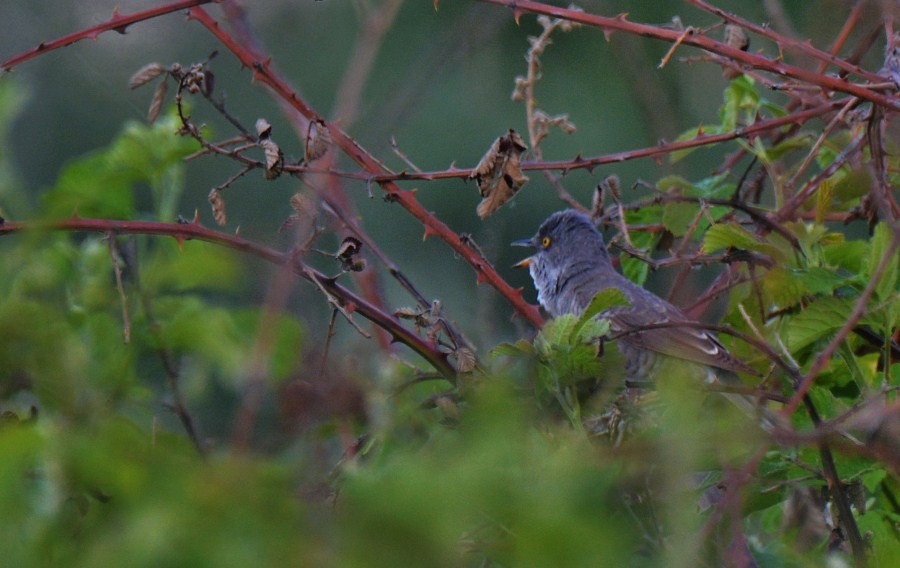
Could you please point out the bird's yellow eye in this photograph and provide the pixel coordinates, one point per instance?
(545, 242)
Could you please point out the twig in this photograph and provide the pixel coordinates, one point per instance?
(117, 23)
(753, 60)
(407, 199)
(123, 300)
(182, 232)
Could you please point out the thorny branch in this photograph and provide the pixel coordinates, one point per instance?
(188, 231)
(805, 86)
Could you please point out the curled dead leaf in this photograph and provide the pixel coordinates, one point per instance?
(274, 158)
(499, 173)
(303, 205)
(159, 96)
(346, 253)
(465, 360)
(263, 128)
(218, 207)
(736, 37)
(318, 139)
(304, 212)
(146, 74)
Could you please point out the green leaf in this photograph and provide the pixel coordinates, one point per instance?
(635, 269)
(799, 141)
(505, 349)
(91, 187)
(783, 288)
(690, 134)
(556, 332)
(725, 235)
(193, 265)
(886, 287)
(848, 255)
(741, 99)
(818, 320)
(678, 216)
(602, 301)
(103, 183)
(820, 280)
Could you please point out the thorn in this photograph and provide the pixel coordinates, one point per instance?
(517, 13)
(180, 239)
(237, 231)
(196, 220)
(429, 232)
(479, 276)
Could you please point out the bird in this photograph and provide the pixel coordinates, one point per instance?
(571, 265)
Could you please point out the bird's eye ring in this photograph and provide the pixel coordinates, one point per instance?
(545, 242)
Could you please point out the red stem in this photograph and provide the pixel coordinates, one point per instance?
(117, 23)
(262, 72)
(620, 23)
(183, 232)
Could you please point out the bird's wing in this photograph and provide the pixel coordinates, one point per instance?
(683, 342)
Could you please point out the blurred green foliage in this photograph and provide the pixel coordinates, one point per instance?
(532, 463)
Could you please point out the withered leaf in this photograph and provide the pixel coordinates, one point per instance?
(218, 207)
(209, 84)
(263, 128)
(350, 247)
(304, 212)
(499, 173)
(465, 360)
(407, 313)
(736, 37)
(291, 221)
(159, 96)
(303, 205)
(318, 139)
(274, 158)
(146, 74)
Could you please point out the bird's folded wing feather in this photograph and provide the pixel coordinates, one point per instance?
(683, 342)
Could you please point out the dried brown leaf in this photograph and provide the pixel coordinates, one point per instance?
(209, 84)
(303, 205)
(156, 103)
(407, 313)
(350, 247)
(274, 158)
(291, 221)
(146, 74)
(318, 139)
(499, 173)
(465, 360)
(218, 207)
(611, 185)
(263, 128)
(736, 37)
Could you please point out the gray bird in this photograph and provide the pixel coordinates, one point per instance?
(572, 265)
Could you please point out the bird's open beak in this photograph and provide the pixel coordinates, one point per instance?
(523, 243)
